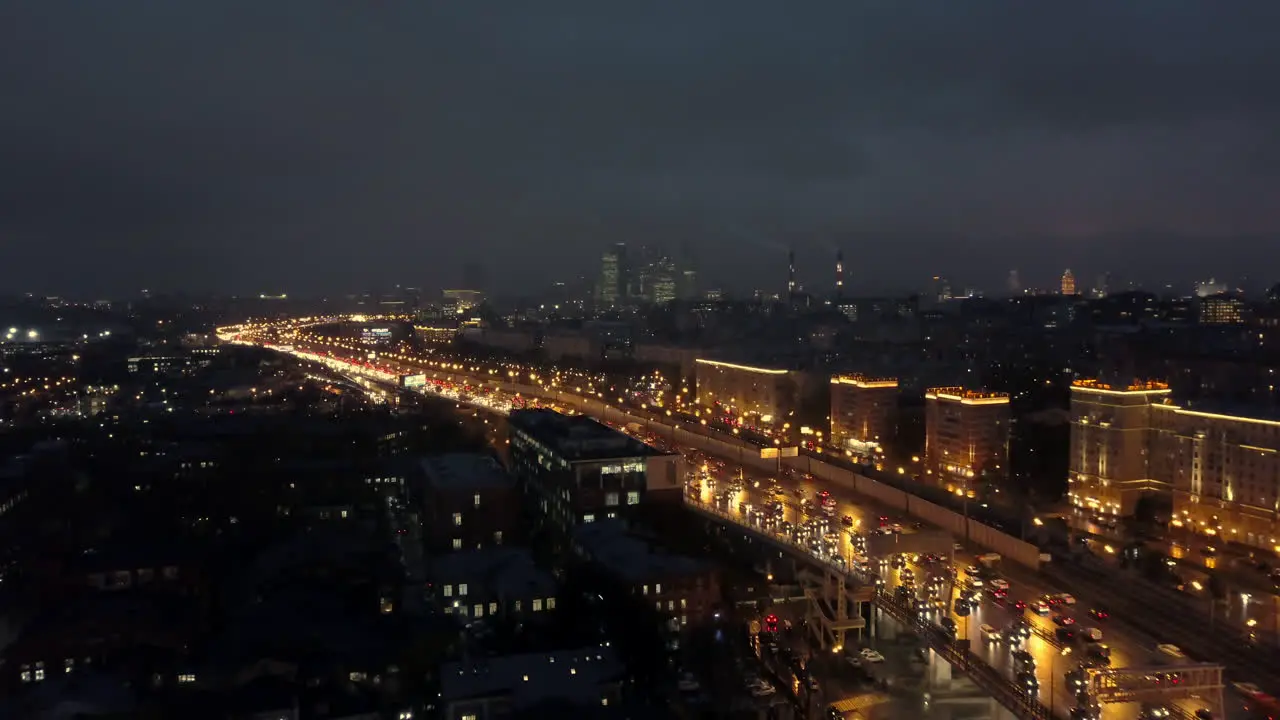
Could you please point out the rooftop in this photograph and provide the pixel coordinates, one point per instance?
(609, 543)
(505, 571)
(1137, 386)
(465, 471)
(968, 397)
(573, 675)
(577, 437)
(863, 381)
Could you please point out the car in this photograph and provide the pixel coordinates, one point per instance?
(847, 520)
(1040, 608)
(1066, 598)
(1099, 613)
(1028, 682)
(1247, 689)
(1000, 583)
(870, 655)
(990, 633)
(972, 571)
(1020, 605)
(1063, 620)
(762, 689)
(948, 625)
(1171, 650)
(1154, 712)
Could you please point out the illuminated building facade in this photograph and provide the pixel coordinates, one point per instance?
(761, 396)
(1221, 309)
(1110, 434)
(862, 412)
(1221, 469)
(1224, 470)
(1068, 285)
(966, 435)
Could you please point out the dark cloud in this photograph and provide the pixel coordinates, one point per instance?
(315, 145)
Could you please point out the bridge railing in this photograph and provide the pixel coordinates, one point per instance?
(982, 674)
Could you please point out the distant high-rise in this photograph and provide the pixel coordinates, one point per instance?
(1015, 285)
(791, 273)
(1068, 286)
(839, 273)
(941, 290)
(611, 287)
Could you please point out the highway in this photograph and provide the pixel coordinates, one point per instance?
(1052, 658)
(1130, 646)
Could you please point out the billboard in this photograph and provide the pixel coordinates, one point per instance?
(376, 334)
(413, 381)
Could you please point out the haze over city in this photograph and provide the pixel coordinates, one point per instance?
(324, 147)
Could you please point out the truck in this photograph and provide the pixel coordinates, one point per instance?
(988, 560)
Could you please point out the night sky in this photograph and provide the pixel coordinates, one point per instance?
(311, 146)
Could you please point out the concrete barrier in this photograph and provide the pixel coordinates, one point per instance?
(719, 445)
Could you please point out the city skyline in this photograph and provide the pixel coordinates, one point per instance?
(380, 137)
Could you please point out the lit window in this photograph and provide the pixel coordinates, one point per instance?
(633, 497)
(479, 610)
(589, 517)
(457, 519)
(517, 607)
(611, 499)
(186, 678)
(448, 591)
(657, 589)
(671, 605)
(26, 676)
(497, 537)
(468, 717)
(537, 604)
(683, 603)
(644, 590)
(457, 543)
(344, 514)
(551, 603)
(493, 608)
(476, 499)
(462, 589)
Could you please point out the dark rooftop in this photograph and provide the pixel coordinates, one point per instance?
(571, 675)
(611, 545)
(465, 471)
(577, 437)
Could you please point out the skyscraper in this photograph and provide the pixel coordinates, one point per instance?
(1068, 283)
(1015, 285)
(839, 273)
(791, 273)
(610, 286)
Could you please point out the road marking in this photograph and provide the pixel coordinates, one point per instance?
(859, 702)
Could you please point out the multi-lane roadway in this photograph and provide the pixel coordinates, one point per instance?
(1130, 647)
(1053, 658)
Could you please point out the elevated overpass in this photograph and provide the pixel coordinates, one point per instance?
(836, 595)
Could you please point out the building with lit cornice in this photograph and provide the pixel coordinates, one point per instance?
(966, 436)
(759, 396)
(862, 412)
(1221, 468)
(1224, 469)
(1110, 436)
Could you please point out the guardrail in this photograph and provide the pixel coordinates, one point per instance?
(982, 674)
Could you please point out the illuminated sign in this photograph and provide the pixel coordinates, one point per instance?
(376, 334)
(413, 381)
